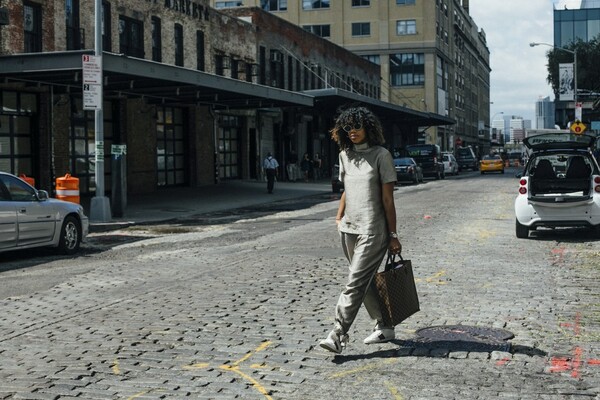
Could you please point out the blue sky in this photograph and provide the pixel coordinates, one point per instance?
(518, 76)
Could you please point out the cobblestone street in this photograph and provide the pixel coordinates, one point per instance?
(236, 309)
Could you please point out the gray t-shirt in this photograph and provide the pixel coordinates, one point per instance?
(363, 172)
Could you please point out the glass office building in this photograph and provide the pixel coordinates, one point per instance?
(571, 24)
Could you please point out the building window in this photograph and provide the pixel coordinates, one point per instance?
(374, 58)
(407, 69)
(323, 31)
(314, 4)
(170, 147)
(227, 4)
(273, 5)
(178, 45)
(156, 40)
(361, 3)
(406, 27)
(405, 2)
(200, 50)
(75, 36)
(229, 147)
(361, 29)
(32, 26)
(18, 132)
(222, 62)
(131, 37)
(106, 27)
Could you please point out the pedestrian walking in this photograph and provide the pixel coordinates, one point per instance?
(317, 164)
(366, 221)
(306, 165)
(270, 166)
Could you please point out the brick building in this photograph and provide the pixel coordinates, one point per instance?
(196, 95)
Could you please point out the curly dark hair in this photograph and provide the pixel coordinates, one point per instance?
(357, 115)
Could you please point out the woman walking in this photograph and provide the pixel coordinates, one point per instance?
(366, 220)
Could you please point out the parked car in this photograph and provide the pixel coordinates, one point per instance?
(491, 164)
(407, 169)
(466, 158)
(29, 218)
(450, 164)
(429, 158)
(560, 185)
(336, 184)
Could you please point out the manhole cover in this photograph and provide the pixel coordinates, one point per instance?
(465, 333)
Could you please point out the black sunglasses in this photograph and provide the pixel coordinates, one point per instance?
(356, 126)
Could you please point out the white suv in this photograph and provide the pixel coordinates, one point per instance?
(560, 185)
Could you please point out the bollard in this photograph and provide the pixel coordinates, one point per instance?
(67, 188)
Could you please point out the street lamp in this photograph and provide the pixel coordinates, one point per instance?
(533, 44)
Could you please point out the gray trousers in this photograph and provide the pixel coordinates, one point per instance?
(365, 253)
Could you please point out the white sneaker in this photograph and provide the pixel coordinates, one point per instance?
(381, 335)
(334, 342)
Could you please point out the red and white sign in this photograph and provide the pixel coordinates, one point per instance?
(92, 82)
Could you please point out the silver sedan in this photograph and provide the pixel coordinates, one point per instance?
(29, 218)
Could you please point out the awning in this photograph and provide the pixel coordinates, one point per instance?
(135, 77)
(332, 98)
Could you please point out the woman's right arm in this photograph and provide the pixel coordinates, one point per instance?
(341, 209)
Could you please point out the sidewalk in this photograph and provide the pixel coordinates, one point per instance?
(172, 203)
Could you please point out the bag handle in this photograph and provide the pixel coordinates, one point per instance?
(391, 261)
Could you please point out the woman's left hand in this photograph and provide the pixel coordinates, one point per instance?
(395, 246)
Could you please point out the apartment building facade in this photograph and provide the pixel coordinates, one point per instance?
(431, 54)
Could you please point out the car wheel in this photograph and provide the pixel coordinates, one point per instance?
(415, 179)
(521, 230)
(443, 174)
(502, 171)
(70, 236)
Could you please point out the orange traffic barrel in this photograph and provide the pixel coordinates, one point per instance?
(27, 179)
(67, 188)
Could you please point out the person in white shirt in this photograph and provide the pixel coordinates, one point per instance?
(271, 166)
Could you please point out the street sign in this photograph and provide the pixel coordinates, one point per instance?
(578, 111)
(577, 127)
(92, 82)
(92, 97)
(92, 69)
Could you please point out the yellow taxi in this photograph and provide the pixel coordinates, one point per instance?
(491, 164)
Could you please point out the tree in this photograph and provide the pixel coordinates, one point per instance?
(588, 66)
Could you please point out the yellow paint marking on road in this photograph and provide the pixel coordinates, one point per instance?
(263, 346)
(196, 366)
(435, 276)
(485, 234)
(258, 366)
(140, 394)
(368, 367)
(235, 368)
(394, 391)
(253, 381)
(115, 367)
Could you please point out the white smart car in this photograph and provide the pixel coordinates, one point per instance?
(28, 218)
(560, 185)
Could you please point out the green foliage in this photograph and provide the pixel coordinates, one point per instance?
(588, 64)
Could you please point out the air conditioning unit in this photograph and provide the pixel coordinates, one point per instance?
(276, 57)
